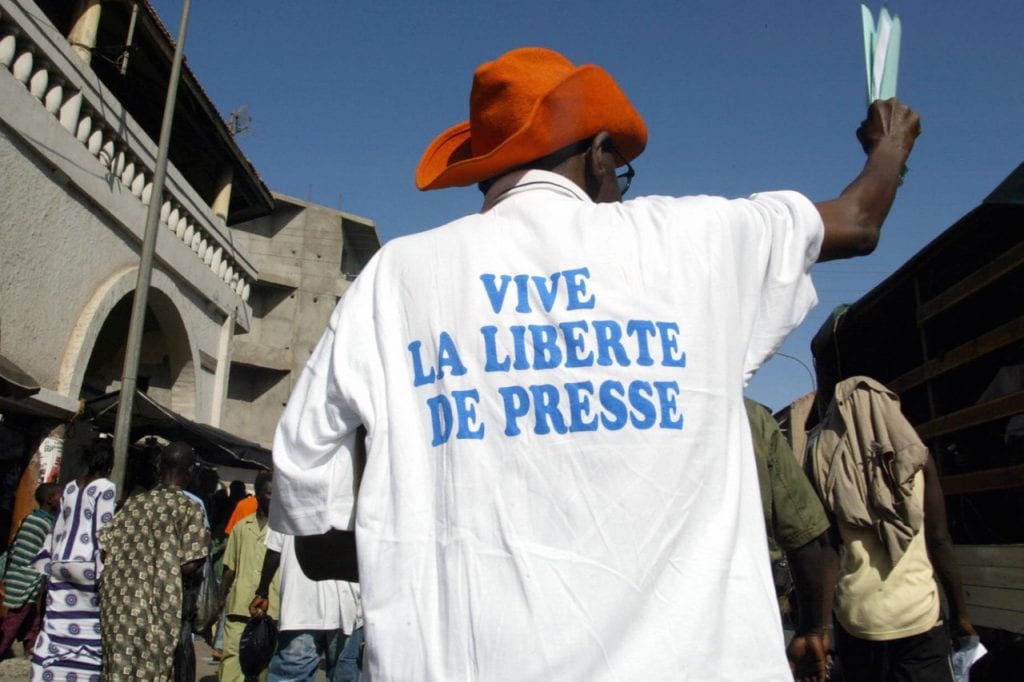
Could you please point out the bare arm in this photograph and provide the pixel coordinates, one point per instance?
(261, 600)
(940, 550)
(853, 220)
(191, 567)
(226, 581)
(815, 567)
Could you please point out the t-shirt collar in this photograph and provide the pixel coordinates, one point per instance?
(39, 511)
(532, 180)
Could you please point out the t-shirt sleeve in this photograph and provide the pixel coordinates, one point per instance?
(315, 450)
(797, 514)
(757, 417)
(105, 503)
(231, 551)
(786, 232)
(274, 540)
(195, 539)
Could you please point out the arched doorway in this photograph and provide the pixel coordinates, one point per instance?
(166, 370)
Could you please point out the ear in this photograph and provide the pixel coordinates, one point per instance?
(599, 171)
(595, 153)
(593, 165)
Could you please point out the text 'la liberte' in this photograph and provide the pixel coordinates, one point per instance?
(578, 344)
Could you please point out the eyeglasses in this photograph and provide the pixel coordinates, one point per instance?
(625, 178)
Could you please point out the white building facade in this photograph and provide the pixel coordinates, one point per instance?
(79, 122)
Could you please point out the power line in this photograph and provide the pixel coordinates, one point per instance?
(802, 364)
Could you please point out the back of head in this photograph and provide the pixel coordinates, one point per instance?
(237, 490)
(177, 458)
(206, 481)
(46, 491)
(262, 479)
(98, 457)
(828, 367)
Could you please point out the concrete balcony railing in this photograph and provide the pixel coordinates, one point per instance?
(68, 92)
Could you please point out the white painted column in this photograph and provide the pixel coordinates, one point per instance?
(222, 202)
(83, 32)
(220, 379)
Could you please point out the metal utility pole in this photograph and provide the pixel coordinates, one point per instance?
(133, 347)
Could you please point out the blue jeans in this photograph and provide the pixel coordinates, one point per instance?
(348, 666)
(219, 641)
(298, 654)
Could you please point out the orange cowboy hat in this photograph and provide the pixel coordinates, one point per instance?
(524, 105)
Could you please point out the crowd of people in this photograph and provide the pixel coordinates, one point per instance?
(136, 622)
(98, 587)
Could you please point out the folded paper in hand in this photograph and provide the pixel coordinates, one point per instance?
(969, 651)
(881, 52)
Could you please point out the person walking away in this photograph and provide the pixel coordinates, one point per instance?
(559, 481)
(317, 616)
(69, 646)
(880, 483)
(154, 543)
(797, 530)
(24, 588)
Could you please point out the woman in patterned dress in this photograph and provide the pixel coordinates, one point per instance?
(69, 647)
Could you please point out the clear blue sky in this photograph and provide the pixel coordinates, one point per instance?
(739, 97)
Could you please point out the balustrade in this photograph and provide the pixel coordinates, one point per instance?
(59, 97)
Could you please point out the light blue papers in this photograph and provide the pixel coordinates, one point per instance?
(881, 52)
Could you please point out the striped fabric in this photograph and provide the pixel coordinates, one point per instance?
(21, 583)
(69, 648)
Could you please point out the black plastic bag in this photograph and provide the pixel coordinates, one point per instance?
(257, 645)
(207, 597)
(185, 654)
(184, 669)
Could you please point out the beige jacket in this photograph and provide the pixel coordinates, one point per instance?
(863, 459)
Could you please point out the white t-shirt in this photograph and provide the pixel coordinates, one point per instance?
(312, 604)
(559, 483)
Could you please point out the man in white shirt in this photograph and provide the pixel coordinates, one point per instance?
(558, 481)
(317, 616)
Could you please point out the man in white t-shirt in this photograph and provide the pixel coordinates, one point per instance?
(558, 482)
(317, 616)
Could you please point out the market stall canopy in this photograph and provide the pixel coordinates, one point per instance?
(15, 382)
(150, 418)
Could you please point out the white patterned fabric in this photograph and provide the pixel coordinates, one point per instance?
(69, 647)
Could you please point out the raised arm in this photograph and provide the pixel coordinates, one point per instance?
(853, 220)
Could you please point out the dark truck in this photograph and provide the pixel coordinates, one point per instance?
(946, 332)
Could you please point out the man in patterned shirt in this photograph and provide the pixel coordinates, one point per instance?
(151, 546)
(22, 585)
